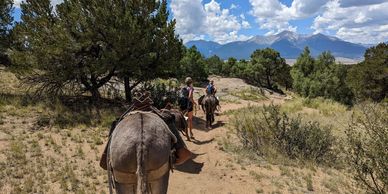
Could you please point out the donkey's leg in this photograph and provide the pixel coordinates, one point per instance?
(208, 120)
(125, 188)
(160, 186)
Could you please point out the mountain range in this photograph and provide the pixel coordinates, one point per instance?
(289, 44)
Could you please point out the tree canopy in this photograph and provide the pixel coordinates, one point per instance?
(6, 19)
(266, 68)
(320, 77)
(214, 65)
(193, 64)
(83, 44)
(369, 79)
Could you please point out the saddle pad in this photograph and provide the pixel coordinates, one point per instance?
(153, 175)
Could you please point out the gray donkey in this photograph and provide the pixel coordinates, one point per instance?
(139, 154)
(209, 104)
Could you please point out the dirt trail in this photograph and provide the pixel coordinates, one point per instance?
(213, 170)
(65, 160)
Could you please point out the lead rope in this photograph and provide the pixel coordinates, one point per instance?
(195, 109)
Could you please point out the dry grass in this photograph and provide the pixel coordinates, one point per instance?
(9, 82)
(324, 111)
(54, 145)
(295, 176)
(250, 94)
(60, 164)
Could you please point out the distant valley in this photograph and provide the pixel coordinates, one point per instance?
(289, 44)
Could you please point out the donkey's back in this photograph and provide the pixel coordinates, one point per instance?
(139, 154)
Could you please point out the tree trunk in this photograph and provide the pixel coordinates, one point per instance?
(128, 94)
(269, 82)
(95, 94)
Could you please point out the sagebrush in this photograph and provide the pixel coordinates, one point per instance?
(367, 146)
(267, 129)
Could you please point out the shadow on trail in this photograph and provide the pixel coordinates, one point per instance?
(198, 142)
(191, 166)
(200, 124)
(218, 124)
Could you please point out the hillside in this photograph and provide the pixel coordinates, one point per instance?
(60, 146)
(289, 44)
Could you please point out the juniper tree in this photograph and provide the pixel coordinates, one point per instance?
(156, 49)
(266, 67)
(83, 44)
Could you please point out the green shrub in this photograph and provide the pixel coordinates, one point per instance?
(41, 122)
(367, 146)
(17, 151)
(265, 129)
(309, 183)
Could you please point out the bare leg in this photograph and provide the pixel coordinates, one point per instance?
(190, 122)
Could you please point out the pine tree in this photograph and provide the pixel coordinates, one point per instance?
(369, 79)
(228, 66)
(321, 77)
(6, 19)
(214, 65)
(301, 71)
(193, 65)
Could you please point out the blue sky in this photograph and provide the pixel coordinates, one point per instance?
(359, 21)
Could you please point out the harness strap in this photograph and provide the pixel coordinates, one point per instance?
(173, 137)
(131, 178)
(109, 169)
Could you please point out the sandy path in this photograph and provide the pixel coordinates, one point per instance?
(212, 170)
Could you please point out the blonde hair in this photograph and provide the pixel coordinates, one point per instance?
(188, 80)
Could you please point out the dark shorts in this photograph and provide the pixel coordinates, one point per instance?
(186, 106)
(190, 107)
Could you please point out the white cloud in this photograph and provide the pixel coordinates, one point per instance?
(274, 16)
(194, 19)
(233, 6)
(246, 24)
(351, 3)
(361, 21)
(305, 8)
(17, 3)
(270, 15)
(364, 24)
(190, 16)
(242, 16)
